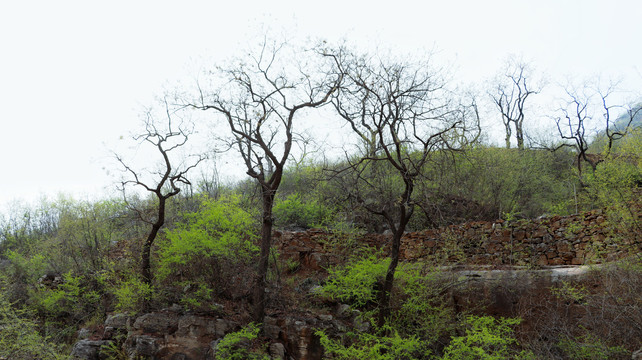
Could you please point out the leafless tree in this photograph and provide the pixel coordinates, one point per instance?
(403, 113)
(509, 94)
(580, 109)
(165, 182)
(260, 102)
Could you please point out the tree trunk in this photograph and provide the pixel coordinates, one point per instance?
(508, 133)
(405, 213)
(145, 271)
(384, 295)
(266, 240)
(519, 134)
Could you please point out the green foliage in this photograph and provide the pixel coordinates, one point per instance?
(589, 347)
(20, 338)
(197, 296)
(419, 307)
(219, 229)
(486, 338)
(130, 293)
(72, 298)
(570, 293)
(355, 282)
(373, 347)
(26, 269)
(236, 345)
(485, 182)
(294, 211)
(420, 304)
(613, 184)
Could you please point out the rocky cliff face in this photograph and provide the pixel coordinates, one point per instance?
(171, 334)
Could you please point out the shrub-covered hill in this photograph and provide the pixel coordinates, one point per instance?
(67, 264)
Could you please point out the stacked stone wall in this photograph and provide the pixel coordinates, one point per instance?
(558, 240)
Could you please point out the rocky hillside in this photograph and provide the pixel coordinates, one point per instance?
(526, 269)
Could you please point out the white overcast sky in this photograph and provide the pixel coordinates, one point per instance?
(75, 74)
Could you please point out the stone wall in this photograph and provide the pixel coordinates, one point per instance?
(558, 240)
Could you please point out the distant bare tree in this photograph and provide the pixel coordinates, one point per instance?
(509, 94)
(403, 113)
(165, 182)
(580, 109)
(260, 101)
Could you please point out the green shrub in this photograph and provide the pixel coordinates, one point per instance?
(131, 293)
(486, 338)
(71, 298)
(236, 345)
(589, 347)
(294, 211)
(373, 347)
(354, 283)
(210, 253)
(421, 306)
(197, 296)
(219, 230)
(20, 338)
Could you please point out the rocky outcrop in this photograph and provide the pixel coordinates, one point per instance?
(170, 334)
(89, 349)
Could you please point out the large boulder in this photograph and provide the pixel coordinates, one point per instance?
(88, 349)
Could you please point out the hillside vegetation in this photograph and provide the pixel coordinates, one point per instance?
(66, 264)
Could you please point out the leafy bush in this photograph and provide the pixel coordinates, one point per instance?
(421, 306)
(589, 347)
(486, 338)
(71, 298)
(236, 345)
(214, 245)
(355, 282)
(373, 347)
(220, 229)
(131, 293)
(19, 336)
(294, 211)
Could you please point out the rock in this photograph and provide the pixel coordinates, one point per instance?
(344, 311)
(118, 321)
(88, 349)
(271, 331)
(222, 327)
(157, 323)
(143, 345)
(277, 351)
(84, 333)
(324, 317)
(196, 326)
(361, 325)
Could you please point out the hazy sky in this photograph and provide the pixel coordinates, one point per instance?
(74, 75)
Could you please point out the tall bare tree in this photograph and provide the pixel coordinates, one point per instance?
(163, 183)
(513, 86)
(404, 113)
(260, 101)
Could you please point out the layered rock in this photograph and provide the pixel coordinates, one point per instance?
(169, 334)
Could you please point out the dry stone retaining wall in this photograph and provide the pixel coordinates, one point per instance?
(558, 240)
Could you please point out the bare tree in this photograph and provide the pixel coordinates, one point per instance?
(165, 182)
(580, 109)
(403, 112)
(510, 92)
(259, 102)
